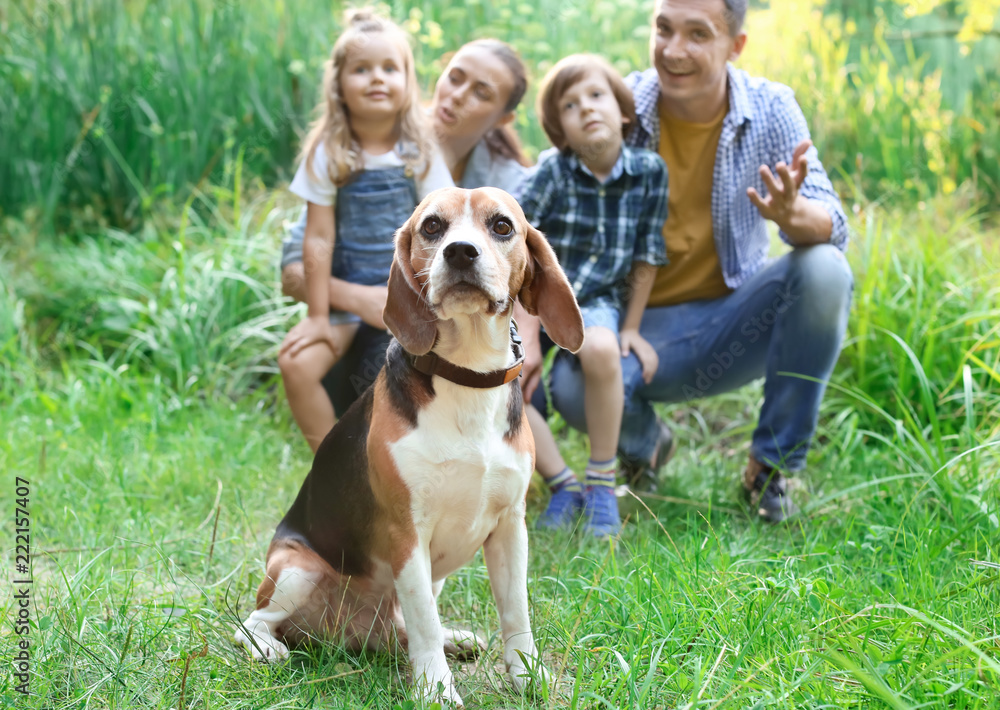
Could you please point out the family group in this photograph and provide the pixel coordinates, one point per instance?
(656, 197)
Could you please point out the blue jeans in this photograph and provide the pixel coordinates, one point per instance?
(567, 368)
(602, 316)
(368, 211)
(790, 317)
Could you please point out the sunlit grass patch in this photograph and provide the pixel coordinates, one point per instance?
(160, 473)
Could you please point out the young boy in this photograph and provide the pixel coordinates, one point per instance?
(602, 206)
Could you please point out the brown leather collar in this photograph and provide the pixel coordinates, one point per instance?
(431, 364)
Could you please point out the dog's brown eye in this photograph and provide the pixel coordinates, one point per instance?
(503, 227)
(432, 227)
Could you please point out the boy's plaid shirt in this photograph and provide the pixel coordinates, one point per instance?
(762, 127)
(599, 230)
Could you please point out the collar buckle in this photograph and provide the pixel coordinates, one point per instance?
(431, 364)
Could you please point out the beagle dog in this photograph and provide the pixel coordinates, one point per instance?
(433, 461)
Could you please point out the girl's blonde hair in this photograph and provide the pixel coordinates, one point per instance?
(333, 127)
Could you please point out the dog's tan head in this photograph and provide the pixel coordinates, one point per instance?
(472, 251)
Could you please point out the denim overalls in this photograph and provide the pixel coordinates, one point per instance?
(370, 208)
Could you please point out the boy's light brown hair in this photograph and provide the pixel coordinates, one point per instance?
(567, 72)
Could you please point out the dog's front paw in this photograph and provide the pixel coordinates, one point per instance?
(434, 681)
(524, 669)
(261, 647)
(443, 693)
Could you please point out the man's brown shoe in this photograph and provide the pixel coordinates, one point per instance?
(644, 476)
(767, 491)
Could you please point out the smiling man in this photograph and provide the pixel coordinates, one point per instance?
(721, 313)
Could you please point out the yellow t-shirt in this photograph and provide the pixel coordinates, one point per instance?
(694, 271)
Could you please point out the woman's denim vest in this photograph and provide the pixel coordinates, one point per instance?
(370, 208)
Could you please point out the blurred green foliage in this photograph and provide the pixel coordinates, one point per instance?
(107, 108)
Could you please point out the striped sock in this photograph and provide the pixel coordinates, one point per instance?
(564, 479)
(600, 473)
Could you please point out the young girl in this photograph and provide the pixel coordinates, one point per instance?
(471, 112)
(366, 163)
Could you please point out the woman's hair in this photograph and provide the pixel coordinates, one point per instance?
(567, 72)
(503, 140)
(333, 127)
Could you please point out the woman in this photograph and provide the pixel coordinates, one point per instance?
(472, 111)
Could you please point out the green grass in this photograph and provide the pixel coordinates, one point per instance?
(158, 474)
(155, 523)
(138, 389)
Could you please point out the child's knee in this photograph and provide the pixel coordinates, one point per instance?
(307, 366)
(289, 366)
(601, 352)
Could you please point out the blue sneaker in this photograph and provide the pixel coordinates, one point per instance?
(600, 508)
(564, 506)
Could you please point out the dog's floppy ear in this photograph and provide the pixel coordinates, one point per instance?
(546, 292)
(406, 313)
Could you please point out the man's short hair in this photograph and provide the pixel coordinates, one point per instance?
(736, 12)
(567, 72)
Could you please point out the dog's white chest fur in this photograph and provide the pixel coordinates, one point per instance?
(461, 474)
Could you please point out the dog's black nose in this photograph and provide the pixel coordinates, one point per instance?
(460, 255)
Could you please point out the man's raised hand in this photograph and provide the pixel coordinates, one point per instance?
(779, 205)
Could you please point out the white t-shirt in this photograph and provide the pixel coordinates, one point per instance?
(321, 190)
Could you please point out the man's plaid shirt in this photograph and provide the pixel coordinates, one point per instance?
(762, 127)
(599, 230)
